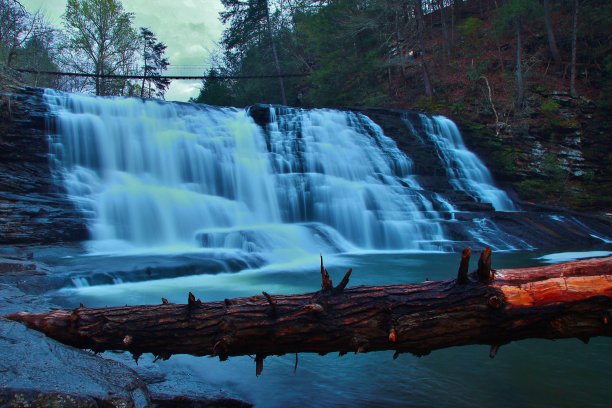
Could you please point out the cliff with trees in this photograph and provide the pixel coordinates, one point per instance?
(528, 81)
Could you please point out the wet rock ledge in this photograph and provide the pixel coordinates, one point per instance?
(33, 210)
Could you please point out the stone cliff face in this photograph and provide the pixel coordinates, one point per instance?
(33, 209)
(557, 151)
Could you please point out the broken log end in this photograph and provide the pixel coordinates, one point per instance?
(495, 302)
(326, 283)
(127, 340)
(345, 280)
(484, 266)
(259, 361)
(493, 351)
(314, 308)
(392, 335)
(271, 302)
(192, 301)
(464, 266)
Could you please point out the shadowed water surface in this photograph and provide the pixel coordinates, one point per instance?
(534, 373)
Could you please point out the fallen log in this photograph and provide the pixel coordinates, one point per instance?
(488, 306)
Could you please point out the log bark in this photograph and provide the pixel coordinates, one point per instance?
(488, 306)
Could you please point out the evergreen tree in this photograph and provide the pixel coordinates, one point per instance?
(154, 64)
(215, 91)
(250, 27)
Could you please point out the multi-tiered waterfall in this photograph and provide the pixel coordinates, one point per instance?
(168, 176)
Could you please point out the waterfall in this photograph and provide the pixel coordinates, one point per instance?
(465, 170)
(180, 177)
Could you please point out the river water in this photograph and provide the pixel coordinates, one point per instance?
(534, 373)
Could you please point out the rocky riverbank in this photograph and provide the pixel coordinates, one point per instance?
(36, 371)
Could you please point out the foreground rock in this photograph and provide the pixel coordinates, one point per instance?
(37, 371)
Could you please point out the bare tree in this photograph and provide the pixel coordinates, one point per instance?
(446, 43)
(17, 27)
(281, 82)
(550, 33)
(520, 83)
(418, 12)
(573, 63)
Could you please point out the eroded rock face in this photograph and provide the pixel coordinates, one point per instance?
(33, 209)
(556, 151)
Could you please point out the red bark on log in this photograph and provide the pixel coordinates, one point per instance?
(489, 306)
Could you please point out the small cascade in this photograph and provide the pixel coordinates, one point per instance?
(465, 170)
(448, 207)
(485, 232)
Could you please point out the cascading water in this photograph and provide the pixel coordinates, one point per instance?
(465, 170)
(177, 177)
(339, 169)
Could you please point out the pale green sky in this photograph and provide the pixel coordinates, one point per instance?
(190, 29)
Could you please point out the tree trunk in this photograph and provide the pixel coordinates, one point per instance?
(486, 307)
(281, 82)
(573, 63)
(144, 55)
(98, 80)
(418, 11)
(445, 37)
(520, 85)
(550, 34)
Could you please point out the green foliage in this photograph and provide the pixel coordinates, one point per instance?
(565, 124)
(549, 106)
(337, 43)
(476, 71)
(506, 158)
(514, 10)
(154, 65)
(429, 105)
(607, 64)
(589, 175)
(348, 66)
(551, 167)
(470, 27)
(36, 55)
(539, 89)
(458, 107)
(215, 91)
(100, 40)
(535, 188)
